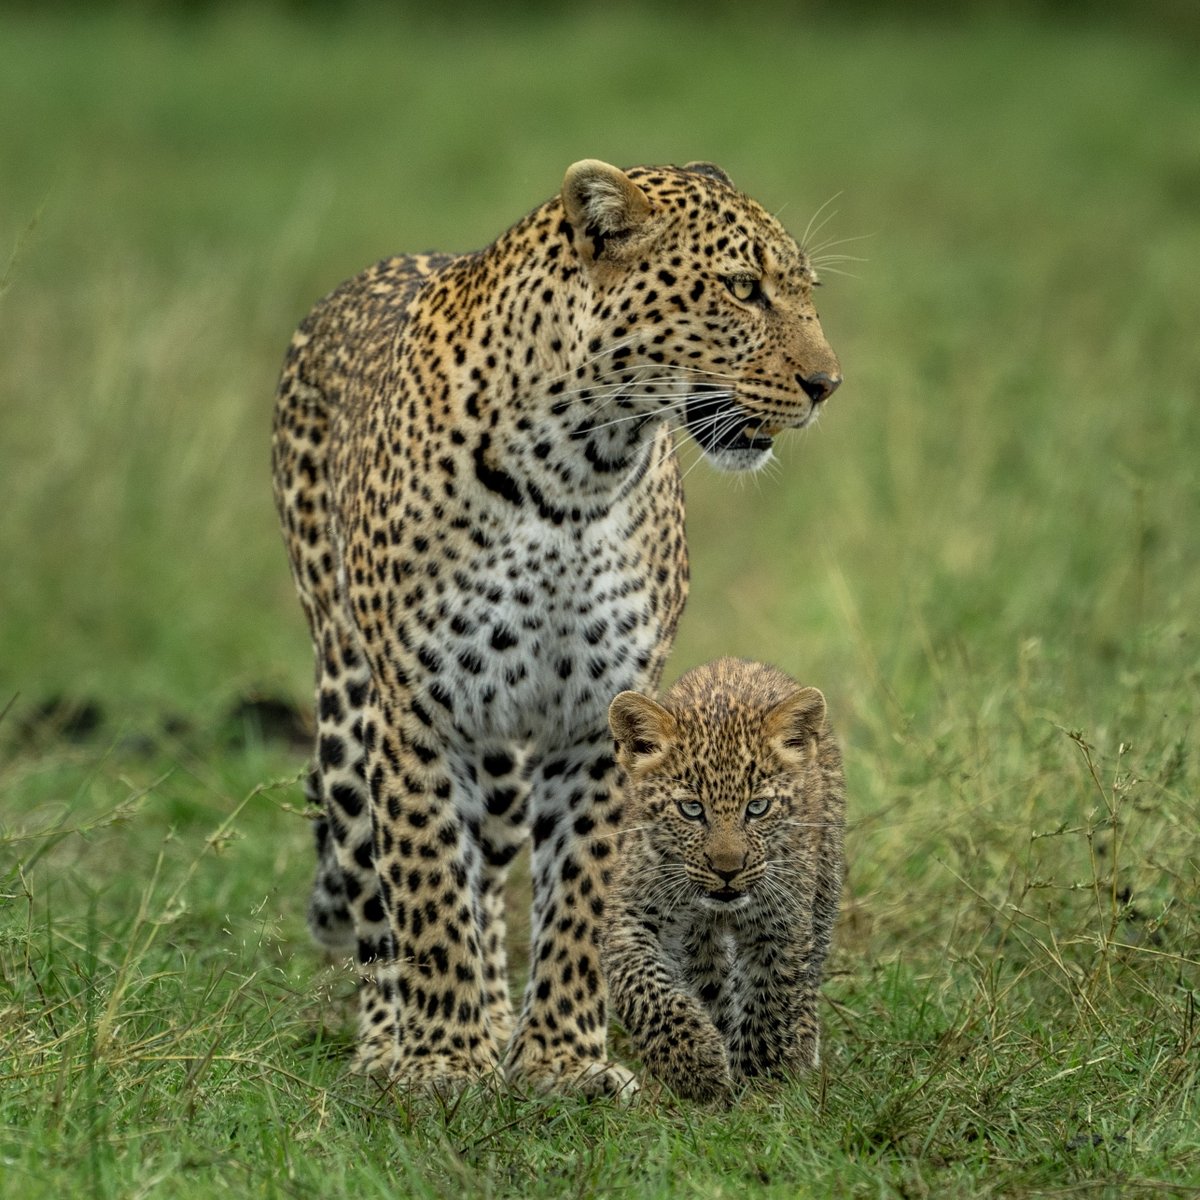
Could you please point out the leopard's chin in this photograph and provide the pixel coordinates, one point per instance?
(751, 458)
(732, 438)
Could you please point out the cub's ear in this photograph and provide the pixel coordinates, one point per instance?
(709, 169)
(794, 725)
(602, 203)
(642, 730)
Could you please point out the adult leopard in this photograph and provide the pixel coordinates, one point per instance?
(475, 472)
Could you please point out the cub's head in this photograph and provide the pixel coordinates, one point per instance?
(702, 307)
(723, 778)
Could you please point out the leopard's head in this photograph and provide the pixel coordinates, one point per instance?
(702, 307)
(718, 781)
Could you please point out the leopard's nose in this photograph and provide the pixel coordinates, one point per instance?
(819, 386)
(726, 876)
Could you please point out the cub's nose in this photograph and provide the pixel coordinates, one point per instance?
(727, 876)
(819, 386)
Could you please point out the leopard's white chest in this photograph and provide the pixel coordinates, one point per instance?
(541, 629)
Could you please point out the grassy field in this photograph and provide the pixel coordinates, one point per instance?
(987, 555)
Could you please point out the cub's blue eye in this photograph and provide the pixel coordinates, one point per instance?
(756, 808)
(692, 809)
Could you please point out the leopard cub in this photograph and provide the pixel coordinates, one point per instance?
(729, 876)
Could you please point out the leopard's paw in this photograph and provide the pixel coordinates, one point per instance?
(591, 1078)
(445, 1075)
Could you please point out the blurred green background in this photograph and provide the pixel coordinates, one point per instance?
(1007, 453)
(987, 554)
(997, 519)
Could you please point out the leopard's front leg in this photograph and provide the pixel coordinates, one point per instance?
(434, 975)
(675, 1035)
(560, 1042)
(776, 1028)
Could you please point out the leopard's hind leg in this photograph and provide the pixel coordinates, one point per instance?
(329, 919)
(355, 921)
(345, 910)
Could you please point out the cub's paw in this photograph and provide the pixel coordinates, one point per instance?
(698, 1072)
(799, 1058)
(591, 1078)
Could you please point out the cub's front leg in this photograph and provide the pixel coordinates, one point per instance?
(776, 1028)
(675, 1037)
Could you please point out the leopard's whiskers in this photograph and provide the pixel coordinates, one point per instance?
(814, 227)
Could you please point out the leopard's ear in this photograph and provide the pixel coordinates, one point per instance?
(603, 205)
(709, 169)
(641, 729)
(794, 725)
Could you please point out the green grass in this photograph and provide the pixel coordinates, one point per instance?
(987, 555)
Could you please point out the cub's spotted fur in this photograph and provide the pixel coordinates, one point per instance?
(730, 875)
(475, 474)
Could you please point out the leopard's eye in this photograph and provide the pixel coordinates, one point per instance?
(692, 809)
(757, 807)
(743, 287)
